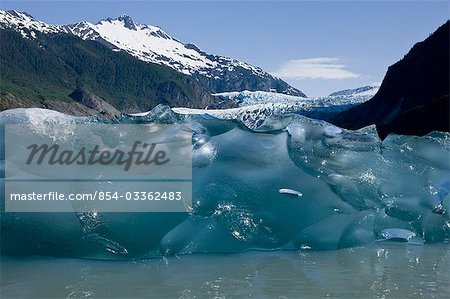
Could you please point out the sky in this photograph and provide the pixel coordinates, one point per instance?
(316, 46)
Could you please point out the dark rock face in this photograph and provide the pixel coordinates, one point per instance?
(95, 103)
(9, 101)
(71, 108)
(128, 22)
(414, 96)
(419, 120)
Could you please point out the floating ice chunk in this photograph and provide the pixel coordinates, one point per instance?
(397, 234)
(236, 173)
(290, 192)
(297, 131)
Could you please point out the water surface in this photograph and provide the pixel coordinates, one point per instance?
(382, 270)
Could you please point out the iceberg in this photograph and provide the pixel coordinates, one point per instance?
(273, 181)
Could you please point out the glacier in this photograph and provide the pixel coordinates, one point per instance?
(263, 179)
(341, 98)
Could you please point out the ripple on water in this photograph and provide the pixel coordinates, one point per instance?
(384, 270)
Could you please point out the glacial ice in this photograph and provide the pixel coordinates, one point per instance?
(247, 180)
(250, 98)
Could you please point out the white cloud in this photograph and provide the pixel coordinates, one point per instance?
(314, 68)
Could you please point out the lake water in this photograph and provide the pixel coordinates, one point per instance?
(381, 270)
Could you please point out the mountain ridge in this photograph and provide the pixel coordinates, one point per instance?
(151, 44)
(47, 73)
(413, 98)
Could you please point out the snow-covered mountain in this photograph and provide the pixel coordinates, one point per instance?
(26, 24)
(152, 44)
